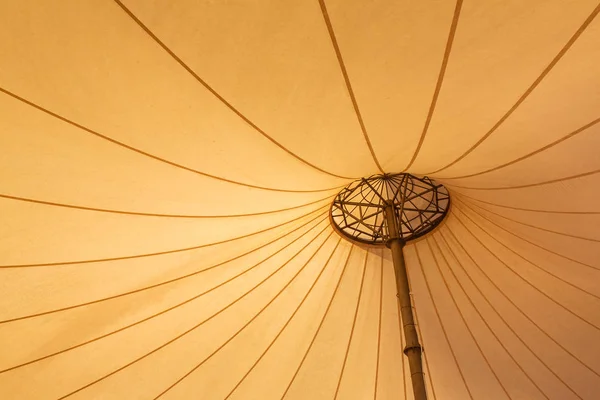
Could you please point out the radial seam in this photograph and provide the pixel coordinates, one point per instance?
(152, 156)
(421, 337)
(287, 322)
(531, 88)
(462, 317)
(500, 317)
(440, 80)
(437, 313)
(320, 324)
(217, 95)
(143, 214)
(157, 253)
(529, 241)
(249, 322)
(523, 278)
(163, 311)
(360, 289)
(347, 81)
(527, 209)
(379, 328)
(170, 280)
(526, 259)
(529, 185)
(533, 153)
(199, 324)
(537, 227)
(515, 306)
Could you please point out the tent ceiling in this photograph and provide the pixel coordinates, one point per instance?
(167, 168)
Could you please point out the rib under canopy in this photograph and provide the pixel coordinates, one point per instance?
(166, 173)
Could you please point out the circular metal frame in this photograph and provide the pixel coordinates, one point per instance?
(419, 204)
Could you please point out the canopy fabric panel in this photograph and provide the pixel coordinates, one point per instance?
(166, 173)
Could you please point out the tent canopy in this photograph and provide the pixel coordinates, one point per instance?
(166, 173)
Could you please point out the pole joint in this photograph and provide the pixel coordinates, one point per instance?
(416, 347)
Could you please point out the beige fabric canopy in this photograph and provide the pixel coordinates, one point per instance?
(166, 169)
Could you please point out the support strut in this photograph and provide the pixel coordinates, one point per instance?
(413, 347)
